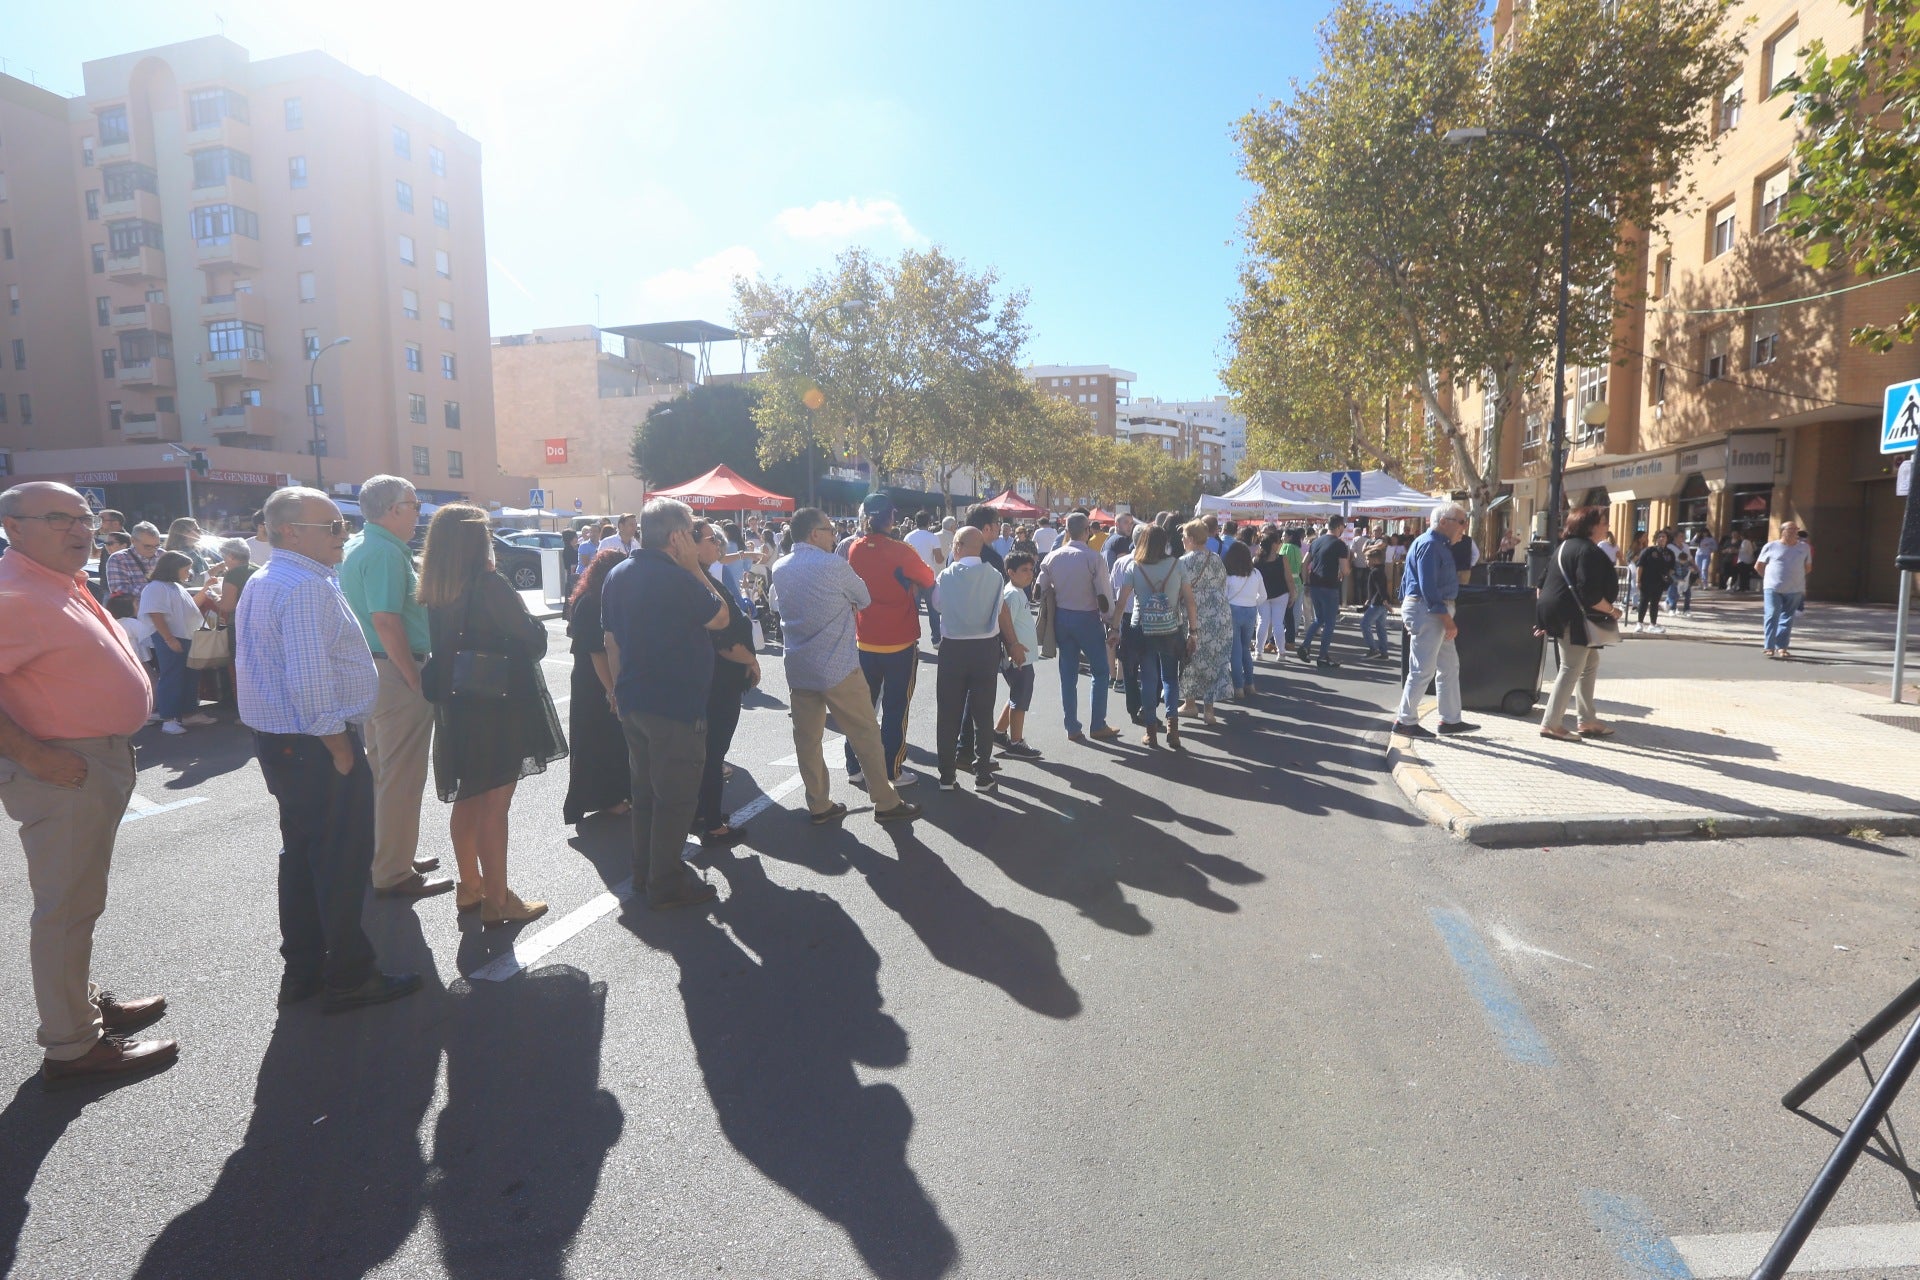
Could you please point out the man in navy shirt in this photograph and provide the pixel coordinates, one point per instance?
(1429, 588)
(657, 609)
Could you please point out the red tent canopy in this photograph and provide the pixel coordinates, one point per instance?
(1012, 504)
(723, 489)
(1101, 517)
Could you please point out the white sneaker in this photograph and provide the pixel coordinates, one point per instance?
(1638, 628)
(906, 779)
(857, 778)
(173, 727)
(1657, 629)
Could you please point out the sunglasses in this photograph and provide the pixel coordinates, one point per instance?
(335, 527)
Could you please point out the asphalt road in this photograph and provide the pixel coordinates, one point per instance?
(1238, 1014)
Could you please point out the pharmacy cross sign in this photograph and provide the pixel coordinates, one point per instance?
(1900, 418)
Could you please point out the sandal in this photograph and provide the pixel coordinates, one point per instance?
(1596, 731)
(1564, 735)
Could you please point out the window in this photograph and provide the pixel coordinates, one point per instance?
(120, 181)
(446, 315)
(99, 252)
(250, 396)
(231, 339)
(1663, 275)
(456, 463)
(3, 412)
(406, 250)
(1489, 404)
(437, 161)
(441, 218)
(316, 400)
(309, 343)
(113, 127)
(26, 409)
(307, 281)
(1773, 200)
(1591, 388)
(403, 195)
(1727, 115)
(103, 311)
(422, 460)
(220, 223)
(446, 366)
(402, 143)
(1765, 345)
(1782, 56)
(86, 153)
(6, 244)
(1715, 347)
(93, 205)
(214, 166)
(207, 108)
(413, 357)
(1659, 384)
(124, 238)
(416, 408)
(19, 353)
(452, 410)
(106, 362)
(302, 229)
(410, 304)
(296, 172)
(1723, 228)
(13, 299)
(441, 263)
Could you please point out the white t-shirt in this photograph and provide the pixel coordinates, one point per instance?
(1609, 550)
(926, 542)
(1786, 566)
(140, 632)
(259, 551)
(1044, 538)
(174, 603)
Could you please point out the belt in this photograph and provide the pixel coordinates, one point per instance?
(418, 657)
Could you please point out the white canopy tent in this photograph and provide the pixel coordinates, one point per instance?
(1280, 495)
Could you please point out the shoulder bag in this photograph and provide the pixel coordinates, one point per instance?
(1602, 631)
(476, 674)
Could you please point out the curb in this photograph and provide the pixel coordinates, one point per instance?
(1424, 792)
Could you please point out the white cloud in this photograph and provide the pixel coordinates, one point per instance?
(845, 219)
(706, 286)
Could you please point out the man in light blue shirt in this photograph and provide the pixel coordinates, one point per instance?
(306, 684)
(1429, 589)
(977, 627)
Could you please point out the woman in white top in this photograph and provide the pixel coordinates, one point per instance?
(175, 614)
(1246, 592)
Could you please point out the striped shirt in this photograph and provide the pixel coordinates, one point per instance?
(301, 663)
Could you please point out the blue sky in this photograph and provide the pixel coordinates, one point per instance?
(647, 152)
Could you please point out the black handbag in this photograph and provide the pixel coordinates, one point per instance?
(476, 673)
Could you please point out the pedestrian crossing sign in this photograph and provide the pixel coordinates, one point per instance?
(1346, 486)
(1900, 418)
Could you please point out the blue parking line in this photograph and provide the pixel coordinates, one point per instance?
(1628, 1229)
(1519, 1038)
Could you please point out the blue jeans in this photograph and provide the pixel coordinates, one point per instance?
(1159, 681)
(1431, 656)
(1326, 612)
(890, 679)
(933, 614)
(1077, 632)
(174, 694)
(1781, 606)
(1246, 620)
(1373, 627)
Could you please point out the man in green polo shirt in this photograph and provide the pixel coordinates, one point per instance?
(377, 578)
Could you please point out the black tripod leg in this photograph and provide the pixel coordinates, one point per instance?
(1841, 1162)
(1904, 1005)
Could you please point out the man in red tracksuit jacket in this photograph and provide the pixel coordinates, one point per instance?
(887, 631)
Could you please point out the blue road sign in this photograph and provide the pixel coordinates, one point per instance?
(1900, 418)
(579, 505)
(96, 498)
(537, 499)
(1346, 486)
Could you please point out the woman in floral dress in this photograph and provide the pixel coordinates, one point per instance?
(1207, 672)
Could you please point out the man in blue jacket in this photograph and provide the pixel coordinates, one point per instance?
(1429, 588)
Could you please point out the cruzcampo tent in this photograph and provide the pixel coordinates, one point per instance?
(1014, 506)
(724, 489)
(1293, 494)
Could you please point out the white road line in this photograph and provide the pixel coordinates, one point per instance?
(531, 949)
(139, 807)
(1827, 1249)
(827, 744)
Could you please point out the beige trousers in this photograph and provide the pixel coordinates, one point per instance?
(399, 734)
(68, 836)
(851, 702)
(1579, 668)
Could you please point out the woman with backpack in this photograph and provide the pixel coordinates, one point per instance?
(1163, 610)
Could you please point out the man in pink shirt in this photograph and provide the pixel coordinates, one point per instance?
(72, 694)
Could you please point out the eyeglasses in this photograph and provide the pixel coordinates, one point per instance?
(335, 527)
(61, 521)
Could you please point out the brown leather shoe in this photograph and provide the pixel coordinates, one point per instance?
(129, 1013)
(1107, 734)
(113, 1058)
(416, 886)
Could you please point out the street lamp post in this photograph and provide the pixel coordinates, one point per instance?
(1557, 446)
(313, 413)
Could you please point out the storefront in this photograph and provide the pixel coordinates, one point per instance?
(222, 499)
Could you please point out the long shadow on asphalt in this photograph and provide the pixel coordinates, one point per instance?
(30, 1127)
(330, 1179)
(781, 1005)
(197, 756)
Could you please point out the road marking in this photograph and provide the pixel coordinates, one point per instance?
(1519, 1039)
(827, 744)
(139, 807)
(1629, 1230)
(529, 950)
(1862, 1248)
(1507, 942)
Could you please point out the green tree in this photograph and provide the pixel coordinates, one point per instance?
(1857, 186)
(701, 428)
(1381, 253)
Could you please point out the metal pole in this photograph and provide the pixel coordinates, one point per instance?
(1900, 637)
(1556, 495)
(1903, 1007)
(313, 425)
(187, 471)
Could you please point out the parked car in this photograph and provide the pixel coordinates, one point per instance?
(520, 563)
(533, 538)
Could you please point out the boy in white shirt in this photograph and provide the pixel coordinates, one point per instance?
(1010, 731)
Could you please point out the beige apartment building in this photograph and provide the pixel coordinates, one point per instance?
(1100, 389)
(568, 401)
(1731, 406)
(213, 224)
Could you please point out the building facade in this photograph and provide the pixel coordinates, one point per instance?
(1100, 389)
(229, 220)
(1214, 413)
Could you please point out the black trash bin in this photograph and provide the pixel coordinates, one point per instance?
(1499, 654)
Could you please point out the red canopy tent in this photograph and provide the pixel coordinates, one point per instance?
(1101, 517)
(723, 489)
(1012, 504)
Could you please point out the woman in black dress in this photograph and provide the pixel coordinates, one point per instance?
(735, 671)
(489, 734)
(599, 779)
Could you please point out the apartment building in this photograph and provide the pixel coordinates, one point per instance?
(218, 223)
(1100, 389)
(1730, 404)
(1178, 436)
(568, 401)
(1214, 412)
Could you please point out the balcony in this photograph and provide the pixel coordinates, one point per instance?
(156, 373)
(144, 263)
(245, 307)
(240, 252)
(105, 153)
(244, 420)
(150, 426)
(144, 205)
(157, 316)
(233, 189)
(249, 364)
(225, 132)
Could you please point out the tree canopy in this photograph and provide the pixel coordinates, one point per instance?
(701, 428)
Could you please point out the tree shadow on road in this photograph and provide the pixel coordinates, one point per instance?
(781, 1004)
